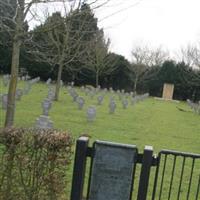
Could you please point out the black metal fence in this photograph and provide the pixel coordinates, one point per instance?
(171, 175)
(177, 176)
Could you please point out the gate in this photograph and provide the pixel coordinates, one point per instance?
(171, 175)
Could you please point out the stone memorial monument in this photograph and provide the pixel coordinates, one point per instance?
(168, 91)
(112, 171)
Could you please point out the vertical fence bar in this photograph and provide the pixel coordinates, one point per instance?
(79, 168)
(145, 173)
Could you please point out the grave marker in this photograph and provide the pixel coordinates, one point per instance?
(81, 102)
(91, 114)
(44, 122)
(46, 105)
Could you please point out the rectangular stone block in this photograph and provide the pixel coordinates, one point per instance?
(112, 171)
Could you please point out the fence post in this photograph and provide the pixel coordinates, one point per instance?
(145, 173)
(79, 168)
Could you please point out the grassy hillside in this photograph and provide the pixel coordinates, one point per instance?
(151, 122)
(164, 125)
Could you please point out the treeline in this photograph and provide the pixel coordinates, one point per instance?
(73, 48)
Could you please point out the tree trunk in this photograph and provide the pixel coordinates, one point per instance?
(135, 86)
(58, 81)
(97, 79)
(9, 121)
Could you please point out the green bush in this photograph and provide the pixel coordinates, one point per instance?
(33, 163)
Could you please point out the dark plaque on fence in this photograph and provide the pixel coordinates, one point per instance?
(112, 171)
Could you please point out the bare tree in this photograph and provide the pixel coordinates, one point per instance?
(14, 22)
(97, 58)
(191, 55)
(64, 44)
(142, 58)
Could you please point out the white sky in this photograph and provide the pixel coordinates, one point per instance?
(170, 23)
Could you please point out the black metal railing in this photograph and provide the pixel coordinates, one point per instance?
(177, 174)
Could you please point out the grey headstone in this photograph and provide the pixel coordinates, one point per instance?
(44, 122)
(100, 99)
(112, 171)
(51, 94)
(80, 102)
(125, 103)
(112, 107)
(91, 114)
(4, 101)
(46, 105)
(27, 88)
(6, 80)
(48, 81)
(19, 93)
(61, 83)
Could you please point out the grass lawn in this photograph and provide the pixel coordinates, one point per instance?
(151, 122)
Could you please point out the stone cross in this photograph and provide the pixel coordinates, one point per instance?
(51, 94)
(112, 107)
(81, 102)
(19, 93)
(48, 81)
(46, 105)
(125, 103)
(5, 80)
(4, 101)
(44, 122)
(27, 88)
(91, 114)
(100, 99)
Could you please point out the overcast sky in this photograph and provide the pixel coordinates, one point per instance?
(170, 23)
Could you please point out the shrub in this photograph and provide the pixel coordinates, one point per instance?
(33, 163)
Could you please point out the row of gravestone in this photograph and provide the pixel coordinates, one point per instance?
(91, 111)
(19, 93)
(194, 106)
(44, 121)
(6, 79)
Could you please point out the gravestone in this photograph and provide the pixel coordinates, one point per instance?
(19, 93)
(48, 81)
(80, 102)
(100, 100)
(5, 80)
(133, 101)
(23, 78)
(61, 83)
(82, 88)
(91, 114)
(112, 107)
(112, 171)
(27, 88)
(125, 103)
(91, 94)
(87, 91)
(4, 101)
(44, 122)
(51, 94)
(72, 83)
(46, 105)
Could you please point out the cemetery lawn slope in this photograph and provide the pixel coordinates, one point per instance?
(161, 124)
